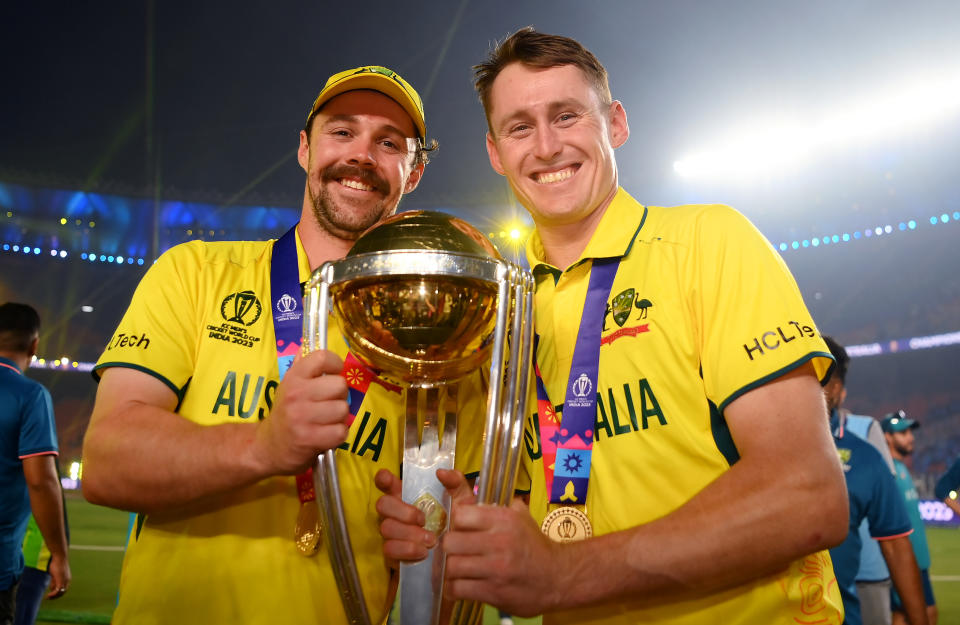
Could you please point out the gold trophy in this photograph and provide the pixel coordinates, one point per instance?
(425, 299)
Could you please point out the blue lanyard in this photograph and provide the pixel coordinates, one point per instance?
(572, 438)
(286, 299)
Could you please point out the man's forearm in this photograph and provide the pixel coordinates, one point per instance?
(46, 504)
(898, 552)
(150, 459)
(743, 526)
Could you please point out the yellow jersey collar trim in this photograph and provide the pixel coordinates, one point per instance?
(615, 233)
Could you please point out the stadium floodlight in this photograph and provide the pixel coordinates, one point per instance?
(770, 146)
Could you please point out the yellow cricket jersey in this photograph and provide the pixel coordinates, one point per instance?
(233, 559)
(701, 311)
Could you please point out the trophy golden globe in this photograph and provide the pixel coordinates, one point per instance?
(426, 300)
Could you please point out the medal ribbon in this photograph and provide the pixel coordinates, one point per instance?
(287, 299)
(567, 444)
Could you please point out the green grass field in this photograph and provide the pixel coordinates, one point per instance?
(97, 534)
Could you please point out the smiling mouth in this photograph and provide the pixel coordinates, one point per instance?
(355, 184)
(553, 177)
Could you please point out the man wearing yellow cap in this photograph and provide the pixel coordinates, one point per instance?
(204, 423)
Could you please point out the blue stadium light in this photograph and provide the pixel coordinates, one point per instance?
(110, 258)
(912, 224)
(933, 221)
(795, 244)
(826, 240)
(83, 256)
(6, 247)
(956, 215)
(119, 260)
(845, 237)
(815, 242)
(878, 230)
(888, 228)
(129, 260)
(835, 238)
(102, 257)
(944, 218)
(857, 235)
(902, 226)
(16, 248)
(36, 251)
(868, 233)
(139, 261)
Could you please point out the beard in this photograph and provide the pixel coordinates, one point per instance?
(345, 219)
(903, 449)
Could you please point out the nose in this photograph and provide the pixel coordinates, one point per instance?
(363, 153)
(547, 144)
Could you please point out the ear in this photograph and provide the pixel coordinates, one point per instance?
(843, 395)
(414, 178)
(494, 155)
(34, 346)
(619, 129)
(303, 152)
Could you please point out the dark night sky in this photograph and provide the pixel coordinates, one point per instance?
(232, 83)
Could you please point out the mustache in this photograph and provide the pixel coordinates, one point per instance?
(365, 176)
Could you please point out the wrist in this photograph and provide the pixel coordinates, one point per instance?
(255, 455)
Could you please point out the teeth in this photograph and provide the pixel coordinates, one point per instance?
(353, 184)
(555, 176)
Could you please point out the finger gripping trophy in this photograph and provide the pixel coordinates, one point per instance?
(426, 300)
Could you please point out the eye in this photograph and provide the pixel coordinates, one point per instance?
(392, 144)
(520, 129)
(566, 118)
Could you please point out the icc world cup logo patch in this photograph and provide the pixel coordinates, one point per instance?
(242, 307)
(286, 303)
(582, 386)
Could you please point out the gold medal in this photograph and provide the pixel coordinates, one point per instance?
(307, 532)
(566, 524)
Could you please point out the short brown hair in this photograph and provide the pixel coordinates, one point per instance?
(541, 50)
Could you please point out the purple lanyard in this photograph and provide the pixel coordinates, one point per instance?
(286, 299)
(567, 446)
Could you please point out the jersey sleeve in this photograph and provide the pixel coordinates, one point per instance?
(158, 333)
(753, 324)
(886, 509)
(38, 429)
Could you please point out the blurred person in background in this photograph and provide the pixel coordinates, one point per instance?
(36, 572)
(875, 504)
(29, 481)
(948, 486)
(898, 430)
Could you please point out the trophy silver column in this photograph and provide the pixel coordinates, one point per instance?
(425, 299)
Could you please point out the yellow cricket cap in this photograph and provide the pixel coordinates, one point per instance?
(377, 78)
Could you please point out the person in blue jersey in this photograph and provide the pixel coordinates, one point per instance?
(29, 481)
(873, 497)
(873, 577)
(898, 429)
(948, 486)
